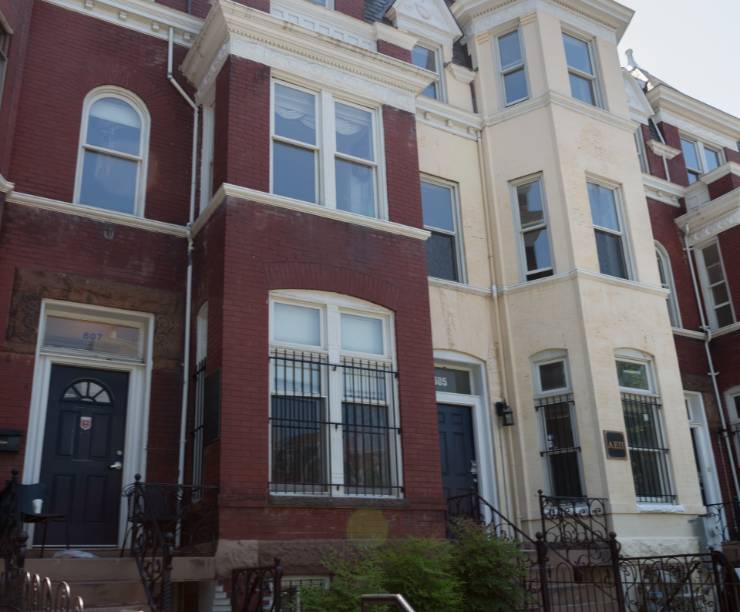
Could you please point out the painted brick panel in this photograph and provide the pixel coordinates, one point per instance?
(48, 126)
(655, 162)
(402, 167)
(353, 8)
(394, 51)
(268, 248)
(667, 233)
(720, 187)
(677, 165)
(731, 155)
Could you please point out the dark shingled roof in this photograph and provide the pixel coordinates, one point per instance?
(375, 10)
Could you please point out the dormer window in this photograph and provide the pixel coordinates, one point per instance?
(429, 59)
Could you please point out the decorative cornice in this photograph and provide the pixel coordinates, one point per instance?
(228, 190)
(664, 98)
(723, 170)
(712, 218)
(663, 150)
(662, 190)
(462, 74)
(258, 36)
(449, 118)
(97, 214)
(606, 13)
(617, 121)
(5, 185)
(430, 20)
(143, 16)
(515, 111)
(461, 287)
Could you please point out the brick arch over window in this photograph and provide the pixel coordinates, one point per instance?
(336, 279)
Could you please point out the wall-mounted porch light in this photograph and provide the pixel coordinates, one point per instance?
(505, 413)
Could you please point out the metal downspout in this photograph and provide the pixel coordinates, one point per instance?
(189, 280)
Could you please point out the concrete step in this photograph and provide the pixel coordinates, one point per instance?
(110, 593)
(184, 569)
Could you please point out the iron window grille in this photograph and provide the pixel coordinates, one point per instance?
(199, 424)
(314, 455)
(647, 449)
(561, 449)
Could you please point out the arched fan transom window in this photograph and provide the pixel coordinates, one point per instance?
(87, 391)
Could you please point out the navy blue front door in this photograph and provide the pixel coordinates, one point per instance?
(83, 453)
(457, 450)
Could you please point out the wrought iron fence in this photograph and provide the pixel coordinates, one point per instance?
(199, 425)
(27, 592)
(12, 539)
(572, 521)
(332, 419)
(724, 520)
(257, 589)
(165, 520)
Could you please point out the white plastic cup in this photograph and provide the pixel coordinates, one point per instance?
(37, 505)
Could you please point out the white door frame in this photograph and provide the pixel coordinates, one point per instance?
(137, 405)
(482, 431)
(704, 450)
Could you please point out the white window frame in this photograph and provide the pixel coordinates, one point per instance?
(623, 226)
(503, 72)
(456, 220)
(638, 357)
(514, 186)
(542, 359)
(707, 287)
(641, 152)
(593, 56)
(331, 307)
(734, 418)
(328, 4)
(439, 61)
(206, 158)
(698, 421)
(700, 147)
(674, 311)
(110, 91)
(325, 147)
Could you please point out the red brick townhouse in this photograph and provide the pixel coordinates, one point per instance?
(258, 180)
(689, 156)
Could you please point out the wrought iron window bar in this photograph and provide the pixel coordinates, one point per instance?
(647, 449)
(304, 437)
(561, 449)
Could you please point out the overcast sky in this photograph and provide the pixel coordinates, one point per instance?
(690, 44)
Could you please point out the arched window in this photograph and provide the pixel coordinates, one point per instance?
(114, 140)
(666, 281)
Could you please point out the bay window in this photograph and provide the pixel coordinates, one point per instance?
(648, 450)
(513, 72)
(534, 237)
(581, 70)
(609, 232)
(325, 151)
(333, 411)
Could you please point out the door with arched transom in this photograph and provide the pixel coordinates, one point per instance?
(82, 459)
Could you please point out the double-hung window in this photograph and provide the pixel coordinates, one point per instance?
(429, 59)
(716, 289)
(534, 238)
(609, 230)
(581, 70)
(325, 151)
(439, 204)
(112, 158)
(561, 450)
(333, 410)
(648, 449)
(699, 158)
(666, 281)
(641, 154)
(513, 69)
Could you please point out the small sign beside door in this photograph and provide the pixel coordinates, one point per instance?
(616, 447)
(85, 423)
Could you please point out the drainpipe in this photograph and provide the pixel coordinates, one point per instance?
(712, 372)
(189, 281)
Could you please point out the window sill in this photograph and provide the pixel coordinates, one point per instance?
(661, 508)
(723, 331)
(443, 283)
(315, 501)
(228, 190)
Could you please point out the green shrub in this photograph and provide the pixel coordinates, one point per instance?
(473, 573)
(491, 571)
